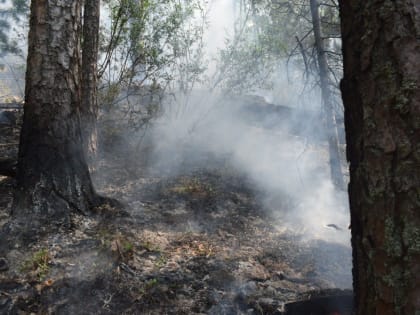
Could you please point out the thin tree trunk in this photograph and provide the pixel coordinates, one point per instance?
(89, 108)
(381, 95)
(327, 100)
(53, 178)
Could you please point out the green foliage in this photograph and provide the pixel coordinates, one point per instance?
(150, 247)
(251, 55)
(38, 264)
(127, 247)
(150, 45)
(161, 261)
(146, 290)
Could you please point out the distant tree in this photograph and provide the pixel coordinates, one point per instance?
(381, 93)
(53, 179)
(327, 98)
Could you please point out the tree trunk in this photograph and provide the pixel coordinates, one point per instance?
(381, 94)
(53, 178)
(89, 108)
(327, 100)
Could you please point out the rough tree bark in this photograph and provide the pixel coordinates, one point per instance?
(53, 177)
(381, 93)
(327, 100)
(89, 108)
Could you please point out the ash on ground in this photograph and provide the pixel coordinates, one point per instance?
(201, 241)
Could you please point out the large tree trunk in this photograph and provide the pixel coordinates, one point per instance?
(89, 108)
(53, 178)
(381, 95)
(327, 100)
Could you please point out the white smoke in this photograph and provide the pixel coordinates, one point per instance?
(282, 165)
(286, 160)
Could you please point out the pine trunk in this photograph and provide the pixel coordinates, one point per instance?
(53, 177)
(381, 95)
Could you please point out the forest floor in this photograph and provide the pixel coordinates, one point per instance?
(196, 242)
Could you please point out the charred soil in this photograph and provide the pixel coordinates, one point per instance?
(200, 241)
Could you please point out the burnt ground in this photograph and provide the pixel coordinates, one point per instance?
(195, 242)
(199, 241)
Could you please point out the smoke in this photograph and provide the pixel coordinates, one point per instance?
(281, 149)
(291, 170)
(221, 22)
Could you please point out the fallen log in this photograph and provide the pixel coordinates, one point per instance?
(341, 304)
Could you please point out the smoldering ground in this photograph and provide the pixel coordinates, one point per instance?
(290, 169)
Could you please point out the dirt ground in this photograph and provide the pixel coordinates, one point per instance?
(196, 242)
